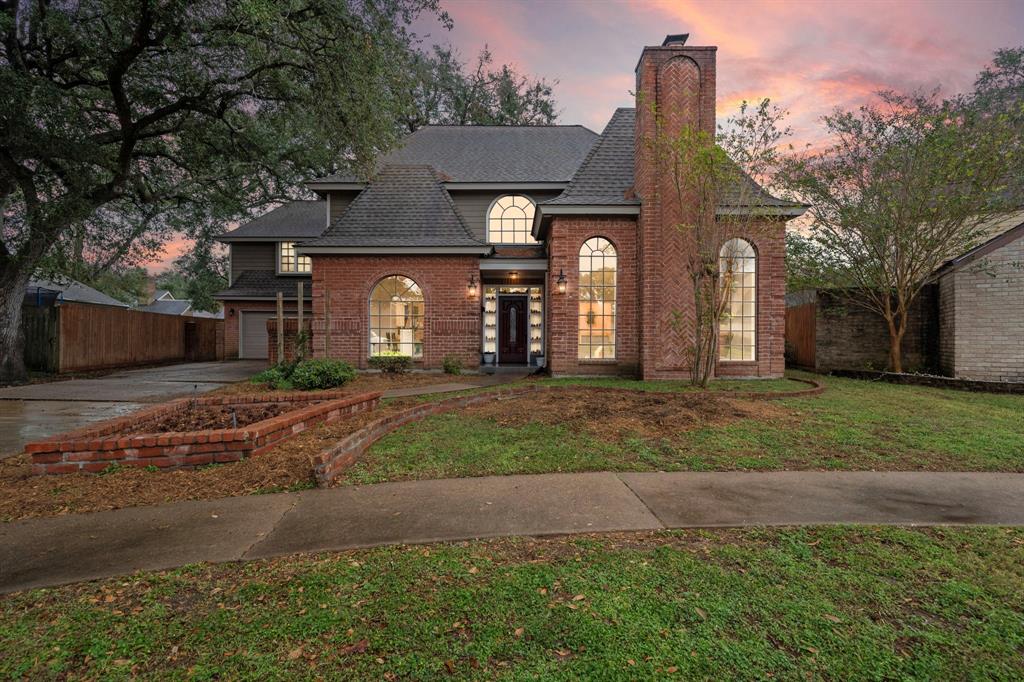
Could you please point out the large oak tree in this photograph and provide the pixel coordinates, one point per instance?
(145, 115)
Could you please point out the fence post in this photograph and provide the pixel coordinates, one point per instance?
(302, 303)
(280, 327)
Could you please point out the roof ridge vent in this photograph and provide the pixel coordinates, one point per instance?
(675, 40)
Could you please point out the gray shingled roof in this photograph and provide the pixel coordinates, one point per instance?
(493, 153)
(265, 284)
(606, 175)
(296, 219)
(404, 206)
(171, 307)
(72, 291)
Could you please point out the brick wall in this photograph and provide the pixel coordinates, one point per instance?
(566, 236)
(851, 337)
(988, 316)
(341, 294)
(291, 331)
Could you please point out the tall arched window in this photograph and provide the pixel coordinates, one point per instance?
(598, 270)
(396, 317)
(737, 331)
(510, 220)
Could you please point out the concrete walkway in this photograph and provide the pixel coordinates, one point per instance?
(34, 411)
(53, 551)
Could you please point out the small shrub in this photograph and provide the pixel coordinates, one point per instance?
(452, 364)
(269, 376)
(391, 363)
(310, 375)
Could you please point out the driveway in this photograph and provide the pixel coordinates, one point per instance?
(36, 411)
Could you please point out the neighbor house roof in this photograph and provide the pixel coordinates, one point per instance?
(405, 208)
(265, 284)
(161, 294)
(606, 174)
(997, 232)
(167, 307)
(491, 154)
(294, 220)
(71, 291)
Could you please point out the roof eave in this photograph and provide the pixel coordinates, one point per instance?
(767, 211)
(394, 250)
(546, 211)
(321, 185)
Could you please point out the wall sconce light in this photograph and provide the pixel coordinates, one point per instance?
(472, 284)
(561, 281)
(514, 276)
(231, 312)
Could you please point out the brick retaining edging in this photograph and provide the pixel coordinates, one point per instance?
(330, 462)
(97, 447)
(975, 385)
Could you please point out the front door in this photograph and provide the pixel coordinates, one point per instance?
(513, 321)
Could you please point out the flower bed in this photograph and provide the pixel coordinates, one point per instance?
(117, 441)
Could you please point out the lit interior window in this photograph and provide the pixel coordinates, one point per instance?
(396, 318)
(737, 265)
(291, 262)
(510, 220)
(598, 269)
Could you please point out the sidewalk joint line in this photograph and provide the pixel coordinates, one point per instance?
(244, 556)
(642, 501)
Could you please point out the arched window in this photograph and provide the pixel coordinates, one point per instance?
(598, 270)
(396, 317)
(737, 331)
(510, 220)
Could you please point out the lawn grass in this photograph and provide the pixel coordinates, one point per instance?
(667, 386)
(814, 603)
(854, 425)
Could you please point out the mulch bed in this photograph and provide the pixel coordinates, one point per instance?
(617, 415)
(196, 417)
(363, 383)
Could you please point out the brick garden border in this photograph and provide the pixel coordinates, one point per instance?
(94, 448)
(975, 385)
(328, 463)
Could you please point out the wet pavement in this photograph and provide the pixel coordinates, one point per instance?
(37, 411)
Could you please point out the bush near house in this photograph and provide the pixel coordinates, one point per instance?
(390, 362)
(307, 375)
(452, 364)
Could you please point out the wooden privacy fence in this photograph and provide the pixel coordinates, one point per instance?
(77, 336)
(800, 334)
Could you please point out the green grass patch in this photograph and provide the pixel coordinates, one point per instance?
(853, 425)
(818, 603)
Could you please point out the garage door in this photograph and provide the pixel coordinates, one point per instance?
(253, 331)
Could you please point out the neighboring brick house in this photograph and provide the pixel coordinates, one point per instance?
(968, 321)
(516, 245)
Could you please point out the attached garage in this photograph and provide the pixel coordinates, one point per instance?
(252, 333)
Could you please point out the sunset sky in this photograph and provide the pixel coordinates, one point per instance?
(809, 57)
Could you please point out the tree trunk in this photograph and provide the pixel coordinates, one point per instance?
(896, 332)
(12, 334)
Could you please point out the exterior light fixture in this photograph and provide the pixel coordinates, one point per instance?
(514, 275)
(561, 281)
(472, 284)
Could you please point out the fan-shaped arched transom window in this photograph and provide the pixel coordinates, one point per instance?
(396, 317)
(737, 330)
(510, 220)
(598, 274)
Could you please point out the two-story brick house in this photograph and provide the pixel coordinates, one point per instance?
(508, 243)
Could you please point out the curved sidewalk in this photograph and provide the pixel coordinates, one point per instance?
(53, 551)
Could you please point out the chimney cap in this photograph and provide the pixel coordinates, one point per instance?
(675, 39)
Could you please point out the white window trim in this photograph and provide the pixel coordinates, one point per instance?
(529, 231)
(757, 305)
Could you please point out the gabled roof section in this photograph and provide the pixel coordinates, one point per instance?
(167, 307)
(996, 232)
(294, 220)
(71, 291)
(606, 175)
(405, 208)
(491, 154)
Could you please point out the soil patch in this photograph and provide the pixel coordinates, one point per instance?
(618, 415)
(197, 417)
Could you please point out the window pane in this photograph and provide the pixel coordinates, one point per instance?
(396, 317)
(597, 293)
(510, 220)
(738, 327)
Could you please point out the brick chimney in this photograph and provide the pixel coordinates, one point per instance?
(677, 81)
